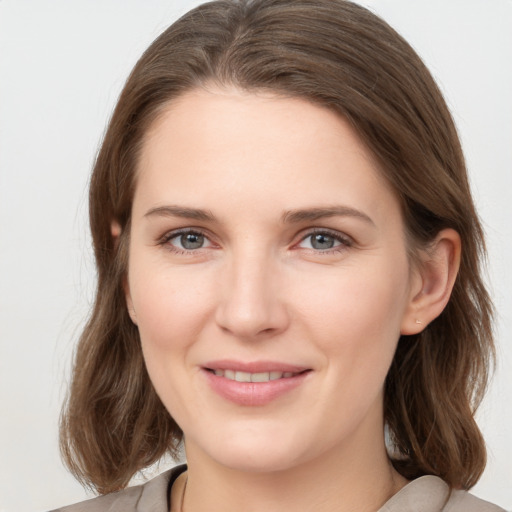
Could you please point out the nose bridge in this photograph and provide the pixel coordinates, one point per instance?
(250, 301)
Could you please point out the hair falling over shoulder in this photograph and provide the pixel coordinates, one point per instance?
(339, 55)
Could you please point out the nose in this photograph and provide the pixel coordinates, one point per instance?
(251, 301)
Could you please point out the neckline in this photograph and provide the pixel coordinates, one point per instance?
(426, 493)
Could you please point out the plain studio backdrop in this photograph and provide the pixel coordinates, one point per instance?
(62, 66)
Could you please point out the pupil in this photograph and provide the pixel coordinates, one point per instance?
(192, 241)
(322, 241)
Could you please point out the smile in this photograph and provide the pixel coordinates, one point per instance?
(240, 376)
(254, 384)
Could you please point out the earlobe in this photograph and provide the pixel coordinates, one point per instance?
(129, 304)
(115, 231)
(436, 277)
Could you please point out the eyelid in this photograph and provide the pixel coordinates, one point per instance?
(343, 239)
(174, 233)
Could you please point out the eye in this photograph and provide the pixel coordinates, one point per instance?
(187, 240)
(324, 241)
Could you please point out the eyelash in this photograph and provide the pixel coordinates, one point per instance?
(344, 240)
(165, 240)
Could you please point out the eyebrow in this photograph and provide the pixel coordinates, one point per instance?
(180, 211)
(289, 217)
(312, 214)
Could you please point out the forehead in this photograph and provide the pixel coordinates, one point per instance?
(231, 144)
(259, 117)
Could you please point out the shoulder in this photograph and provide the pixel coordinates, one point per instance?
(462, 501)
(152, 496)
(431, 494)
(122, 500)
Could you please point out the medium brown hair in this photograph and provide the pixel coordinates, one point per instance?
(341, 56)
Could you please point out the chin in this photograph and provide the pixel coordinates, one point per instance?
(259, 461)
(256, 453)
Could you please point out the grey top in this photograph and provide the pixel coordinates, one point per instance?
(425, 494)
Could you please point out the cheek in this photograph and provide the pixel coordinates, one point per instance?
(169, 305)
(355, 323)
(171, 310)
(355, 318)
(366, 299)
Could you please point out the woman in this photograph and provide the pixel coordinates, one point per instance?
(288, 259)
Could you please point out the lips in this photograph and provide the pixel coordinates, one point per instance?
(253, 384)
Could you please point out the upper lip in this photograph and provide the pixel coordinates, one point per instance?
(253, 366)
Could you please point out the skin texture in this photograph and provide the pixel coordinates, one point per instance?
(257, 288)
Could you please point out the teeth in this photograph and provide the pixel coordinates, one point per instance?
(253, 377)
(242, 377)
(260, 377)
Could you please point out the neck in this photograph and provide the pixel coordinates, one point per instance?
(361, 480)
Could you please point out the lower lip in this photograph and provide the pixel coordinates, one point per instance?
(253, 393)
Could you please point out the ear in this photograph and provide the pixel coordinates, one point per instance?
(116, 230)
(433, 281)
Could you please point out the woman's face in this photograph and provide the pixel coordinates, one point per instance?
(268, 277)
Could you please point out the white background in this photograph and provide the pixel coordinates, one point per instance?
(62, 65)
